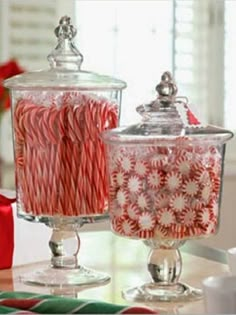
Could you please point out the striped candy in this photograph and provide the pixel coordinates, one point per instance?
(168, 192)
(60, 158)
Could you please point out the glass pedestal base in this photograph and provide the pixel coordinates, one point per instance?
(164, 266)
(62, 277)
(153, 292)
(65, 271)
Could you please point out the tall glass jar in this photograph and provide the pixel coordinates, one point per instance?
(57, 116)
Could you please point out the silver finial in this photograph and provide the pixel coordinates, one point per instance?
(167, 87)
(65, 30)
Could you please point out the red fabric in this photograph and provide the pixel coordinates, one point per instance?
(20, 303)
(192, 119)
(7, 70)
(6, 232)
(139, 310)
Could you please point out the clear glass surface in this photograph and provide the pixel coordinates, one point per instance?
(165, 185)
(58, 115)
(59, 156)
(165, 192)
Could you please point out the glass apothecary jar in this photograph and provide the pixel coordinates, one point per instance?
(165, 185)
(57, 116)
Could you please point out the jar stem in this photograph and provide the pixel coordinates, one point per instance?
(64, 247)
(165, 266)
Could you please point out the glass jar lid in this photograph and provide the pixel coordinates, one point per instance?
(166, 118)
(65, 68)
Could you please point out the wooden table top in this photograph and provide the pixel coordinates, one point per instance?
(126, 270)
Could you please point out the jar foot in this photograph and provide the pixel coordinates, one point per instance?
(59, 277)
(65, 271)
(152, 292)
(164, 266)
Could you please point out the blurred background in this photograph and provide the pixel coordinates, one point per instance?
(136, 41)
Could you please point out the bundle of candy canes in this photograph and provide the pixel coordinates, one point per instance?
(165, 191)
(59, 157)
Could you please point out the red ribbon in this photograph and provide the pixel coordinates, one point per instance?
(6, 232)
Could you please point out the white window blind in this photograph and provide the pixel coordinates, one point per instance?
(131, 40)
(27, 29)
(229, 75)
(136, 40)
(26, 34)
(230, 65)
(191, 51)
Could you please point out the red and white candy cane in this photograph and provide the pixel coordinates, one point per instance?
(60, 159)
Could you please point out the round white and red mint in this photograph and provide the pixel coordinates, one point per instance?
(133, 211)
(192, 231)
(129, 227)
(116, 211)
(112, 192)
(116, 224)
(188, 217)
(213, 149)
(196, 204)
(116, 157)
(211, 228)
(163, 150)
(205, 193)
(155, 179)
(178, 202)
(112, 179)
(119, 178)
(216, 182)
(190, 187)
(209, 160)
(183, 164)
(204, 217)
(152, 149)
(141, 168)
(197, 169)
(178, 231)
(179, 152)
(166, 217)
(214, 206)
(182, 141)
(200, 149)
(173, 180)
(160, 232)
(203, 178)
(216, 168)
(134, 184)
(146, 234)
(127, 163)
(143, 201)
(161, 200)
(158, 161)
(146, 220)
(122, 197)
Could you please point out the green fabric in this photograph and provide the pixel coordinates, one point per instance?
(21, 302)
(7, 310)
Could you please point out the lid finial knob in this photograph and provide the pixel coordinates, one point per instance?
(66, 55)
(65, 30)
(167, 87)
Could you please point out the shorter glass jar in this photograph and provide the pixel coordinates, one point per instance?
(165, 190)
(165, 183)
